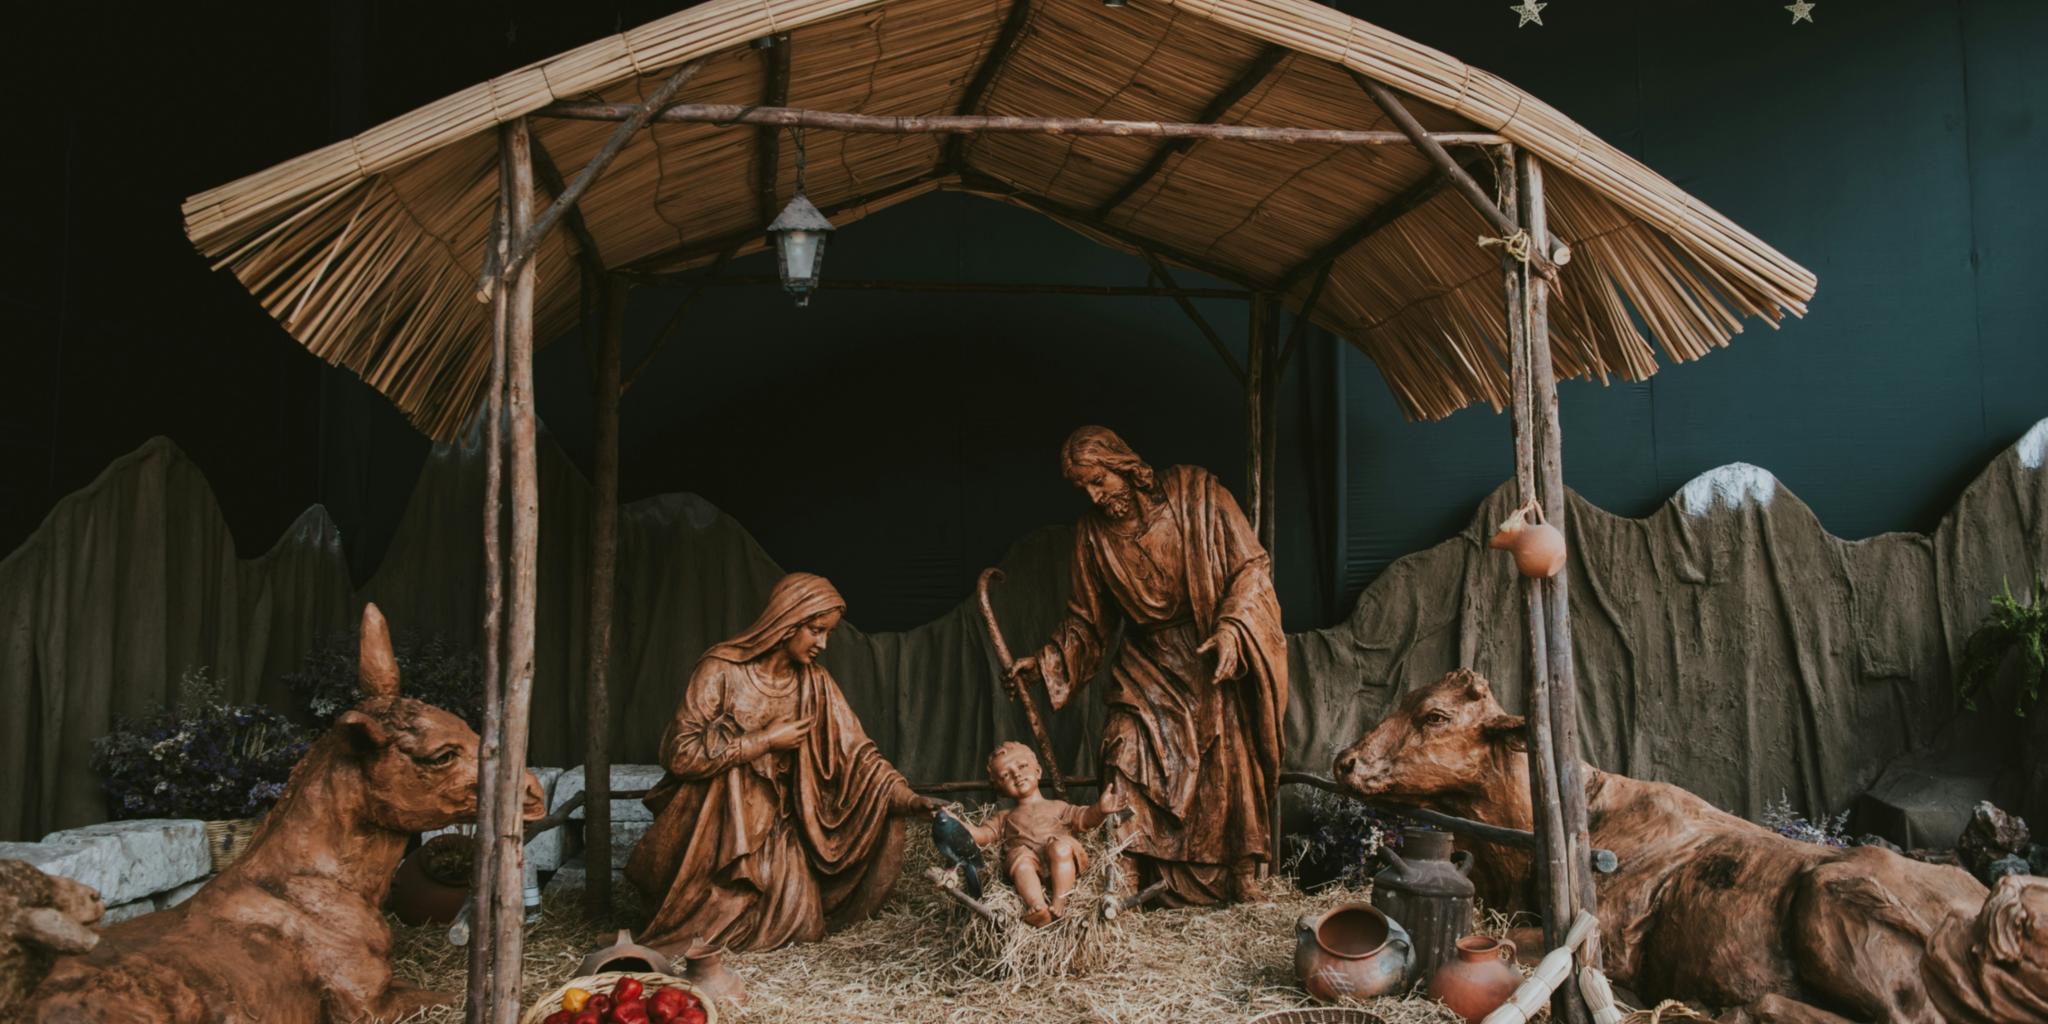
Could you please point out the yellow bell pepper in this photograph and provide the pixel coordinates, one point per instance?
(574, 1000)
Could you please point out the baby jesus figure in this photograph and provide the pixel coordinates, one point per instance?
(1038, 836)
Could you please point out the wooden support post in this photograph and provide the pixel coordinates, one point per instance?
(1553, 850)
(1564, 707)
(508, 918)
(1201, 322)
(1254, 416)
(604, 531)
(484, 861)
(768, 138)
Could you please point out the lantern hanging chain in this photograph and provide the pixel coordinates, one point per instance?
(797, 133)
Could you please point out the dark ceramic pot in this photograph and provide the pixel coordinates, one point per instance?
(417, 897)
(1350, 952)
(1478, 980)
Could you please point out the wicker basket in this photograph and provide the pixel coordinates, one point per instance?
(225, 840)
(1318, 1015)
(601, 984)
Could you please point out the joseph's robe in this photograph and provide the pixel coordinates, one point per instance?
(754, 849)
(1198, 761)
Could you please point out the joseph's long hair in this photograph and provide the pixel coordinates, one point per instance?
(1099, 446)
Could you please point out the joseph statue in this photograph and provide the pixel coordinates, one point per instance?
(1192, 739)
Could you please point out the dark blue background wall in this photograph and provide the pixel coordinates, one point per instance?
(899, 443)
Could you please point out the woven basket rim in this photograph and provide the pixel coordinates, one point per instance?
(602, 982)
(1318, 1015)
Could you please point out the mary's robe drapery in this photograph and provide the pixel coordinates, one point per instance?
(1198, 761)
(750, 848)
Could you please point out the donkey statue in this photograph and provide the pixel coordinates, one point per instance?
(291, 933)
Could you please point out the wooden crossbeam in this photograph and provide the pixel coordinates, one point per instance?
(1213, 111)
(987, 184)
(651, 269)
(1201, 322)
(970, 99)
(1432, 147)
(633, 117)
(551, 179)
(1308, 310)
(832, 120)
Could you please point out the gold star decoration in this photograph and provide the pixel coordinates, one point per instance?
(1802, 10)
(1530, 11)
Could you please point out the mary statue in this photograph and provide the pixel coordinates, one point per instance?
(776, 814)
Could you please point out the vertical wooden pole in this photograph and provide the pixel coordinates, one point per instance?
(1254, 414)
(597, 758)
(508, 917)
(1553, 879)
(1564, 710)
(483, 870)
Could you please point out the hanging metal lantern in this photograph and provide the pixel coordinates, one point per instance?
(800, 232)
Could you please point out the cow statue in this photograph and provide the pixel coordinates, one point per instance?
(1708, 907)
(290, 933)
(41, 916)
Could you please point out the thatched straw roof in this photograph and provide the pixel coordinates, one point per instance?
(369, 250)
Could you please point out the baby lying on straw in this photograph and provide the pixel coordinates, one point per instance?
(1040, 837)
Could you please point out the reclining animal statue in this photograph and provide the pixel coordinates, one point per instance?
(41, 917)
(1708, 907)
(291, 932)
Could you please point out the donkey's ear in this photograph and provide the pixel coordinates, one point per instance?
(376, 666)
(1512, 728)
(364, 733)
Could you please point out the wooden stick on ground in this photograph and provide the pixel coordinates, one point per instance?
(986, 912)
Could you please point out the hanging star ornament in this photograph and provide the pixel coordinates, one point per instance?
(1530, 11)
(1802, 10)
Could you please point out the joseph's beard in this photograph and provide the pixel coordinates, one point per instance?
(1118, 507)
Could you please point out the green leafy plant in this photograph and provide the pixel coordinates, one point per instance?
(2012, 627)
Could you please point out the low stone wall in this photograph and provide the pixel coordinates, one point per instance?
(137, 867)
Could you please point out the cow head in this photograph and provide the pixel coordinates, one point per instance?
(1445, 739)
(419, 763)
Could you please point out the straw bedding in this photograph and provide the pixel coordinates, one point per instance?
(925, 960)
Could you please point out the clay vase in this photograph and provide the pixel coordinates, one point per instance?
(625, 955)
(1478, 980)
(417, 897)
(1351, 951)
(1424, 887)
(707, 971)
(1538, 547)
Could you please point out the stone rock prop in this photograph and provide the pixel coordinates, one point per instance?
(124, 861)
(41, 917)
(291, 931)
(1993, 838)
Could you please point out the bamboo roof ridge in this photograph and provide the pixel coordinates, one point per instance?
(368, 250)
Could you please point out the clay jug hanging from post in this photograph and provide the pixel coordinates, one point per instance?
(1538, 547)
(1478, 980)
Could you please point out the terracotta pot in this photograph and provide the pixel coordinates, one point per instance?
(1478, 980)
(1538, 547)
(626, 955)
(1352, 951)
(417, 897)
(707, 971)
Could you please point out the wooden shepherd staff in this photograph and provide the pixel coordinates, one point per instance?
(1018, 691)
